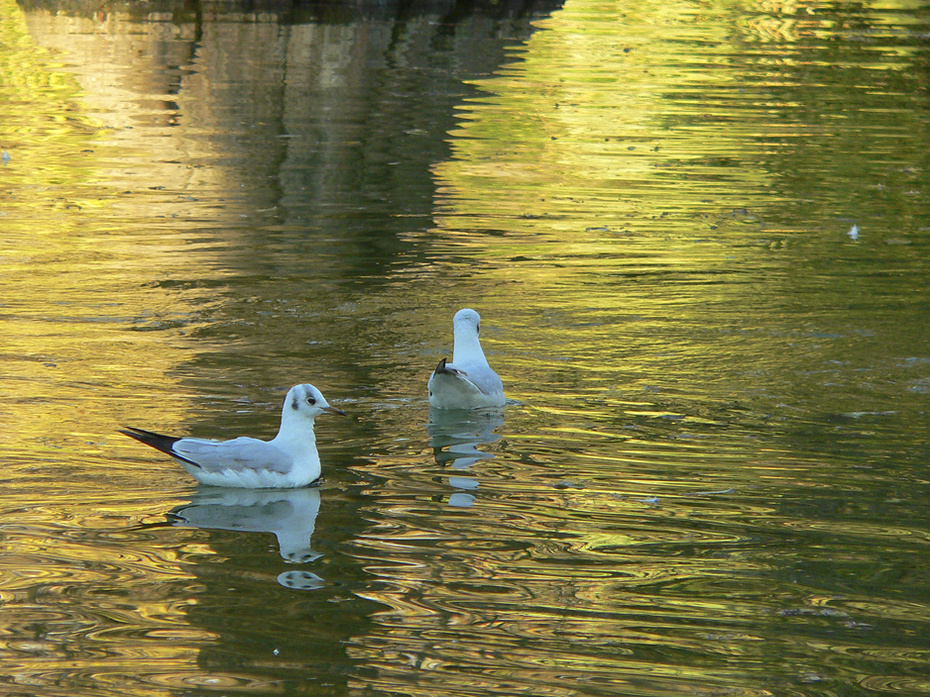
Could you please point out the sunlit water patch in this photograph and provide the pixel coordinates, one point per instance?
(697, 237)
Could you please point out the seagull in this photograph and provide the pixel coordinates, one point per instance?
(288, 460)
(468, 381)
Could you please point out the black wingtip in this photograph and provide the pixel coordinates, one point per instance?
(155, 440)
(441, 368)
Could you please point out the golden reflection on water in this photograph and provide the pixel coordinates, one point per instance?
(635, 524)
(609, 204)
(76, 271)
(79, 301)
(640, 184)
(609, 132)
(686, 162)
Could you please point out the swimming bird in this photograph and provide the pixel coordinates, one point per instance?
(468, 381)
(288, 460)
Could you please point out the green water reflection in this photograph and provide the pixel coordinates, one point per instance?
(712, 477)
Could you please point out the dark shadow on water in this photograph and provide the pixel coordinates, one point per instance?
(323, 119)
(300, 11)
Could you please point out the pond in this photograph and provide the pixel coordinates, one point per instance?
(698, 235)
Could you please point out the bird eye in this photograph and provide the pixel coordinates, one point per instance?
(311, 400)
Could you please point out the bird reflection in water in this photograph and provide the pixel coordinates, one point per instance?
(290, 514)
(455, 436)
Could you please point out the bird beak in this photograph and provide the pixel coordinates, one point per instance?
(333, 410)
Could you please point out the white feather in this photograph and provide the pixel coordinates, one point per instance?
(289, 460)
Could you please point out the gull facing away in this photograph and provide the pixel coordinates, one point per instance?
(468, 381)
(288, 460)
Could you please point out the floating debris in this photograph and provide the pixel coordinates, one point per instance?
(853, 232)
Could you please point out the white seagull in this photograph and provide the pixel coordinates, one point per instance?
(288, 460)
(468, 381)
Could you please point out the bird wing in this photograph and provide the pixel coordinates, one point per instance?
(453, 381)
(477, 377)
(237, 454)
(458, 386)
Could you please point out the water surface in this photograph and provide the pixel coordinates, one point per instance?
(698, 238)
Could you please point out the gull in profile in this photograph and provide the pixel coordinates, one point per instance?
(468, 381)
(288, 460)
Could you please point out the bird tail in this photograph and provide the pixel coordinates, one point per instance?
(441, 368)
(157, 441)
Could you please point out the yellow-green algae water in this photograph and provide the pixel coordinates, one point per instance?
(698, 237)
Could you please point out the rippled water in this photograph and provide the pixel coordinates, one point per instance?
(698, 235)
